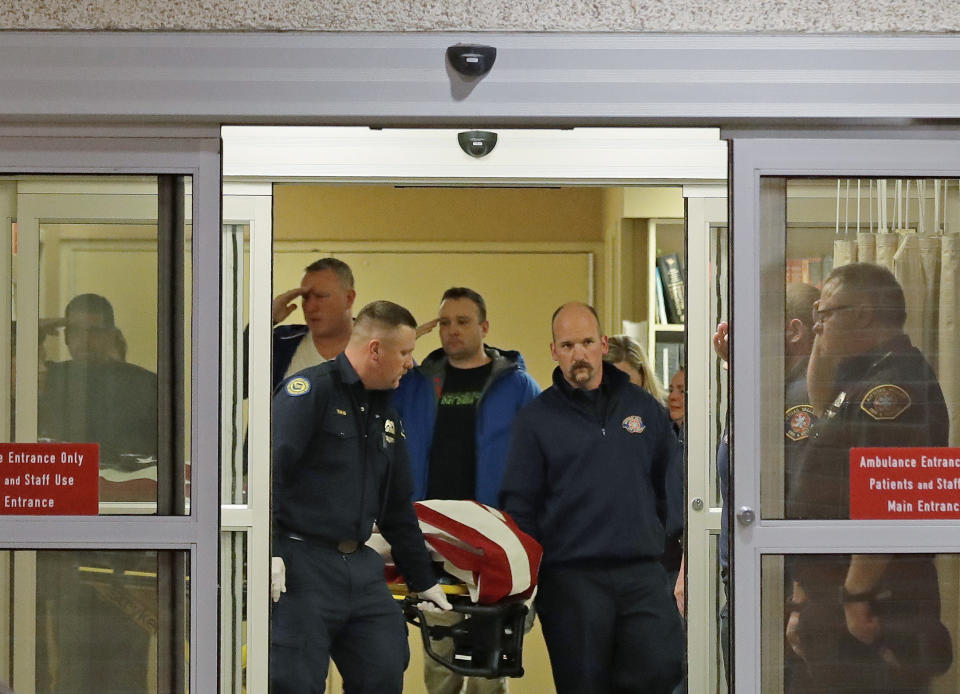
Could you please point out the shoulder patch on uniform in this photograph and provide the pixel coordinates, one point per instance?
(885, 402)
(634, 424)
(297, 386)
(797, 422)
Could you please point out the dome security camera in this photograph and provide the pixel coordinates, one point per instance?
(477, 143)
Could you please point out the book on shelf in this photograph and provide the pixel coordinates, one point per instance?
(660, 300)
(670, 267)
(668, 358)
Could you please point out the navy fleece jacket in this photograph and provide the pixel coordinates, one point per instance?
(585, 484)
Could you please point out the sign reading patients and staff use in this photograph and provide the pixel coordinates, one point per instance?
(59, 479)
(904, 483)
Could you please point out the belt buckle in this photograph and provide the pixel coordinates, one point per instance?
(347, 546)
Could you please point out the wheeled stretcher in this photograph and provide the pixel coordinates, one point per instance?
(489, 572)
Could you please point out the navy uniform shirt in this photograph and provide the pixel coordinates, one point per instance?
(340, 465)
(888, 396)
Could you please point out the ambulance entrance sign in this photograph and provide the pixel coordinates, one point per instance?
(904, 483)
(50, 479)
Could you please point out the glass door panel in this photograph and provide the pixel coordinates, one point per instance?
(98, 620)
(917, 623)
(845, 430)
(98, 341)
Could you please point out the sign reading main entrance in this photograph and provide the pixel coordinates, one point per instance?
(904, 483)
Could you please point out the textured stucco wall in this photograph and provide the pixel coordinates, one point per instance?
(694, 16)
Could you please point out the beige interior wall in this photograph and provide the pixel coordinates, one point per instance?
(387, 224)
(521, 288)
(389, 213)
(117, 261)
(526, 250)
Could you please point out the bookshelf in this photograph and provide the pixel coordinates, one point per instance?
(665, 342)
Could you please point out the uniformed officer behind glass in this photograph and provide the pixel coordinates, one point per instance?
(864, 623)
(340, 465)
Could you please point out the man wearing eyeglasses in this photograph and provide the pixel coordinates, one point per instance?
(864, 623)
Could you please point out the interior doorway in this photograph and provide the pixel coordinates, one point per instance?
(527, 235)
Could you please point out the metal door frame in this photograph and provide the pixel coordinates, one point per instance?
(142, 152)
(830, 154)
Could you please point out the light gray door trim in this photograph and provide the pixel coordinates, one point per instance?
(197, 533)
(543, 79)
(755, 249)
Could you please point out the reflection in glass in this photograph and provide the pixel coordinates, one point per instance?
(897, 635)
(97, 621)
(236, 286)
(870, 351)
(100, 310)
(233, 629)
(719, 383)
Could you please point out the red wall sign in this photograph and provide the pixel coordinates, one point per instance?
(904, 483)
(49, 479)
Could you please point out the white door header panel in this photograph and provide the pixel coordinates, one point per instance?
(596, 155)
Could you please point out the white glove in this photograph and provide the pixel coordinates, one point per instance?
(278, 578)
(434, 600)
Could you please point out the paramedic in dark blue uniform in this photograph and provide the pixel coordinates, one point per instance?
(864, 623)
(340, 465)
(589, 460)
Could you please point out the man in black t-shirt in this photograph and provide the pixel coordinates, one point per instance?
(457, 408)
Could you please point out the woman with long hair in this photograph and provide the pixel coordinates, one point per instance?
(627, 355)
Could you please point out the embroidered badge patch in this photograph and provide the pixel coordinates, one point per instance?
(298, 386)
(634, 424)
(797, 422)
(885, 402)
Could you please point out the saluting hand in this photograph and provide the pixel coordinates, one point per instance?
(821, 376)
(283, 304)
(427, 327)
(721, 341)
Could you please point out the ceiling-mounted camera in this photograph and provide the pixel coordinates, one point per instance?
(477, 143)
(471, 60)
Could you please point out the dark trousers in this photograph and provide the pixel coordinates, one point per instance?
(336, 606)
(908, 609)
(724, 618)
(610, 628)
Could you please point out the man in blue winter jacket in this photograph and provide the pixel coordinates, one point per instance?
(589, 460)
(457, 408)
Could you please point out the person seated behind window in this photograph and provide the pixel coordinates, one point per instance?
(96, 396)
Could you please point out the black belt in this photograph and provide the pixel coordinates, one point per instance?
(342, 546)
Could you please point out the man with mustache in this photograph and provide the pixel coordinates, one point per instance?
(589, 460)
